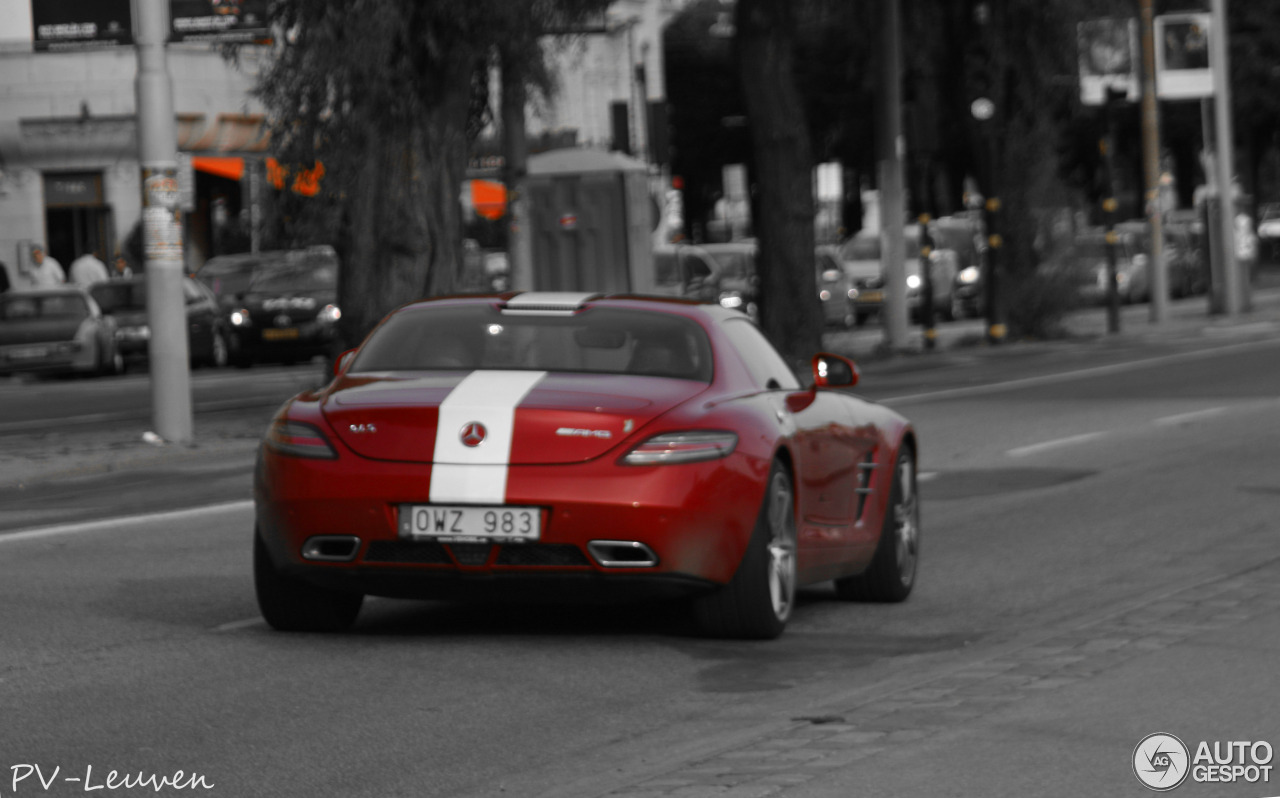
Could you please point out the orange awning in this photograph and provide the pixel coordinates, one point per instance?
(489, 198)
(230, 168)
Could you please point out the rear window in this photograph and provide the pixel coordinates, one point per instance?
(36, 306)
(116, 296)
(596, 340)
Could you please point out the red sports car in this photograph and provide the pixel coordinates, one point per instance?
(578, 445)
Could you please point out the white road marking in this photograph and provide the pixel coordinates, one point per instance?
(1195, 415)
(926, 476)
(125, 521)
(1070, 440)
(1067, 376)
(244, 623)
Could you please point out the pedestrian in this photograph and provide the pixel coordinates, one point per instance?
(46, 272)
(88, 269)
(122, 270)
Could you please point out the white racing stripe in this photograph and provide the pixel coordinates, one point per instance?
(478, 474)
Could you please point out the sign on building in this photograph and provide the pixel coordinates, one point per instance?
(218, 20)
(1182, 57)
(1108, 50)
(78, 24)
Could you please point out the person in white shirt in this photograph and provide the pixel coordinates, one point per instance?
(87, 270)
(46, 272)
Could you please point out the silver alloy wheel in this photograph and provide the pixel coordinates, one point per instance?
(782, 546)
(906, 521)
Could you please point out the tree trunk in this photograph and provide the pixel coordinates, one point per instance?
(783, 182)
(401, 237)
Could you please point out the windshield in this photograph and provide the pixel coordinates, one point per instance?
(301, 276)
(596, 340)
(734, 264)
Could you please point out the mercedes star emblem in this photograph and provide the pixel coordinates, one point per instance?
(472, 434)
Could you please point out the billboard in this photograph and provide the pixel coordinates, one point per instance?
(1108, 59)
(218, 20)
(1182, 57)
(78, 24)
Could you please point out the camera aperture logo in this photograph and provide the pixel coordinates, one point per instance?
(1161, 762)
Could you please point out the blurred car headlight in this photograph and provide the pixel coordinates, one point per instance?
(831, 275)
(240, 318)
(731, 299)
(913, 281)
(853, 293)
(824, 295)
(970, 274)
(329, 314)
(1140, 261)
(682, 447)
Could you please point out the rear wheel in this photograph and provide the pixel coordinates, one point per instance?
(892, 572)
(292, 605)
(757, 602)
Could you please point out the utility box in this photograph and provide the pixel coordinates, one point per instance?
(590, 218)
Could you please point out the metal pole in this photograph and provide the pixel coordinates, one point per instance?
(1221, 64)
(1212, 210)
(1109, 206)
(1151, 167)
(515, 150)
(892, 145)
(162, 229)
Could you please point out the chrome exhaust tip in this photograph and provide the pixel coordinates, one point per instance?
(622, 554)
(331, 548)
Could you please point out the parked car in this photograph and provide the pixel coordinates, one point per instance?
(1186, 254)
(1133, 283)
(281, 306)
(685, 270)
(963, 234)
(944, 265)
(835, 287)
(559, 444)
(206, 324)
(56, 330)
(739, 280)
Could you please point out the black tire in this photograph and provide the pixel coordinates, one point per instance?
(892, 572)
(292, 605)
(758, 601)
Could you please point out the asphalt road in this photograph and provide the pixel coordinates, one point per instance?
(1052, 505)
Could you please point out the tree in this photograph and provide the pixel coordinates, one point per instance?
(387, 95)
(782, 201)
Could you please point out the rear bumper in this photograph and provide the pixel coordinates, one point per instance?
(697, 518)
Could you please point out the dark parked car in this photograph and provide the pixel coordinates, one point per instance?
(860, 251)
(56, 330)
(281, 306)
(126, 301)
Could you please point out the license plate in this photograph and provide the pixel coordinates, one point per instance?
(281, 334)
(452, 524)
(871, 296)
(28, 353)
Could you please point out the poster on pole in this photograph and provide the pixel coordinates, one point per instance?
(59, 25)
(218, 20)
(1109, 56)
(1182, 57)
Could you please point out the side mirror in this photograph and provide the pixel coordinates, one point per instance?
(340, 365)
(833, 371)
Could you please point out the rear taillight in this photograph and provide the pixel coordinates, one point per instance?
(296, 439)
(682, 447)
